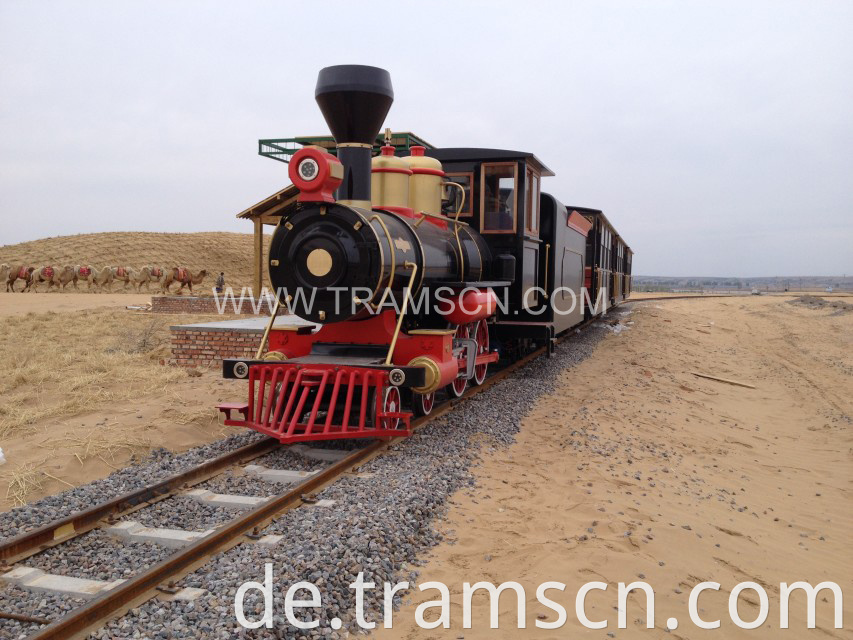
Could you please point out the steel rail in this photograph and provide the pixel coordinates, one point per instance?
(30, 542)
(689, 297)
(763, 294)
(141, 587)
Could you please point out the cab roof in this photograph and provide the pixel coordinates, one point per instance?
(471, 154)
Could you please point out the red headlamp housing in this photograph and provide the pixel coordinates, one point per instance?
(316, 174)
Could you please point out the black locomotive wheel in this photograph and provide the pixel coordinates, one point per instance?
(480, 332)
(456, 388)
(422, 403)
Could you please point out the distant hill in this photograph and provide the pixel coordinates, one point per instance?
(215, 251)
(773, 283)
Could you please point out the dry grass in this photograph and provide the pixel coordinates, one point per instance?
(214, 251)
(94, 444)
(200, 416)
(23, 481)
(62, 365)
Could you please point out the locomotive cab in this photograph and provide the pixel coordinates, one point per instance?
(502, 196)
(565, 264)
(520, 225)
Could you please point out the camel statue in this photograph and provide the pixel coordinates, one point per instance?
(19, 272)
(42, 274)
(145, 276)
(67, 276)
(182, 275)
(103, 278)
(86, 273)
(123, 275)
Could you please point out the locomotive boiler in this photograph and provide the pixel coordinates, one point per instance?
(354, 257)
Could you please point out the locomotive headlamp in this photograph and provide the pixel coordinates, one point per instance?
(308, 169)
(316, 174)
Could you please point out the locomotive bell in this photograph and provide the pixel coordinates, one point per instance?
(354, 100)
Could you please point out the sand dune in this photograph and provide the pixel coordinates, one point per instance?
(636, 469)
(215, 251)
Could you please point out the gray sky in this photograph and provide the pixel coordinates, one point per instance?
(717, 136)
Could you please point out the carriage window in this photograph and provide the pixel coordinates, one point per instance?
(497, 197)
(532, 225)
(466, 181)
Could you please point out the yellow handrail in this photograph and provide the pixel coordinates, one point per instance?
(461, 254)
(266, 335)
(456, 228)
(462, 190)
(406, 293)
(547, 253)
(424, 215)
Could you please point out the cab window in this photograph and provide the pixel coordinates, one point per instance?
(498, 188)
(466, 181)
(532, 223)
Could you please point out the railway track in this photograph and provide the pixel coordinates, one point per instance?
(159, 579)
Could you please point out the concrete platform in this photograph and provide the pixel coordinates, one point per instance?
(207, 343)
(246, 325)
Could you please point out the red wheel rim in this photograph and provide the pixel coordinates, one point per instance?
(426, 402)
(459, 385)
(481, 334)
(391, 404)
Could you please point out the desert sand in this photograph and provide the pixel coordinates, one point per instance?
(637, 470)
(54, 454)
(12, 304)
(85, 391)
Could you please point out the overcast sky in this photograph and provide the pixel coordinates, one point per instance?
(717, 136)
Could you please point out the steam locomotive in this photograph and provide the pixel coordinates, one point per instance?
(415, 274)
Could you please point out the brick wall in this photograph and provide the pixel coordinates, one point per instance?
(202, 304)
(203, 347)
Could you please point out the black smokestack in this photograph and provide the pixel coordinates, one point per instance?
(354, 100)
